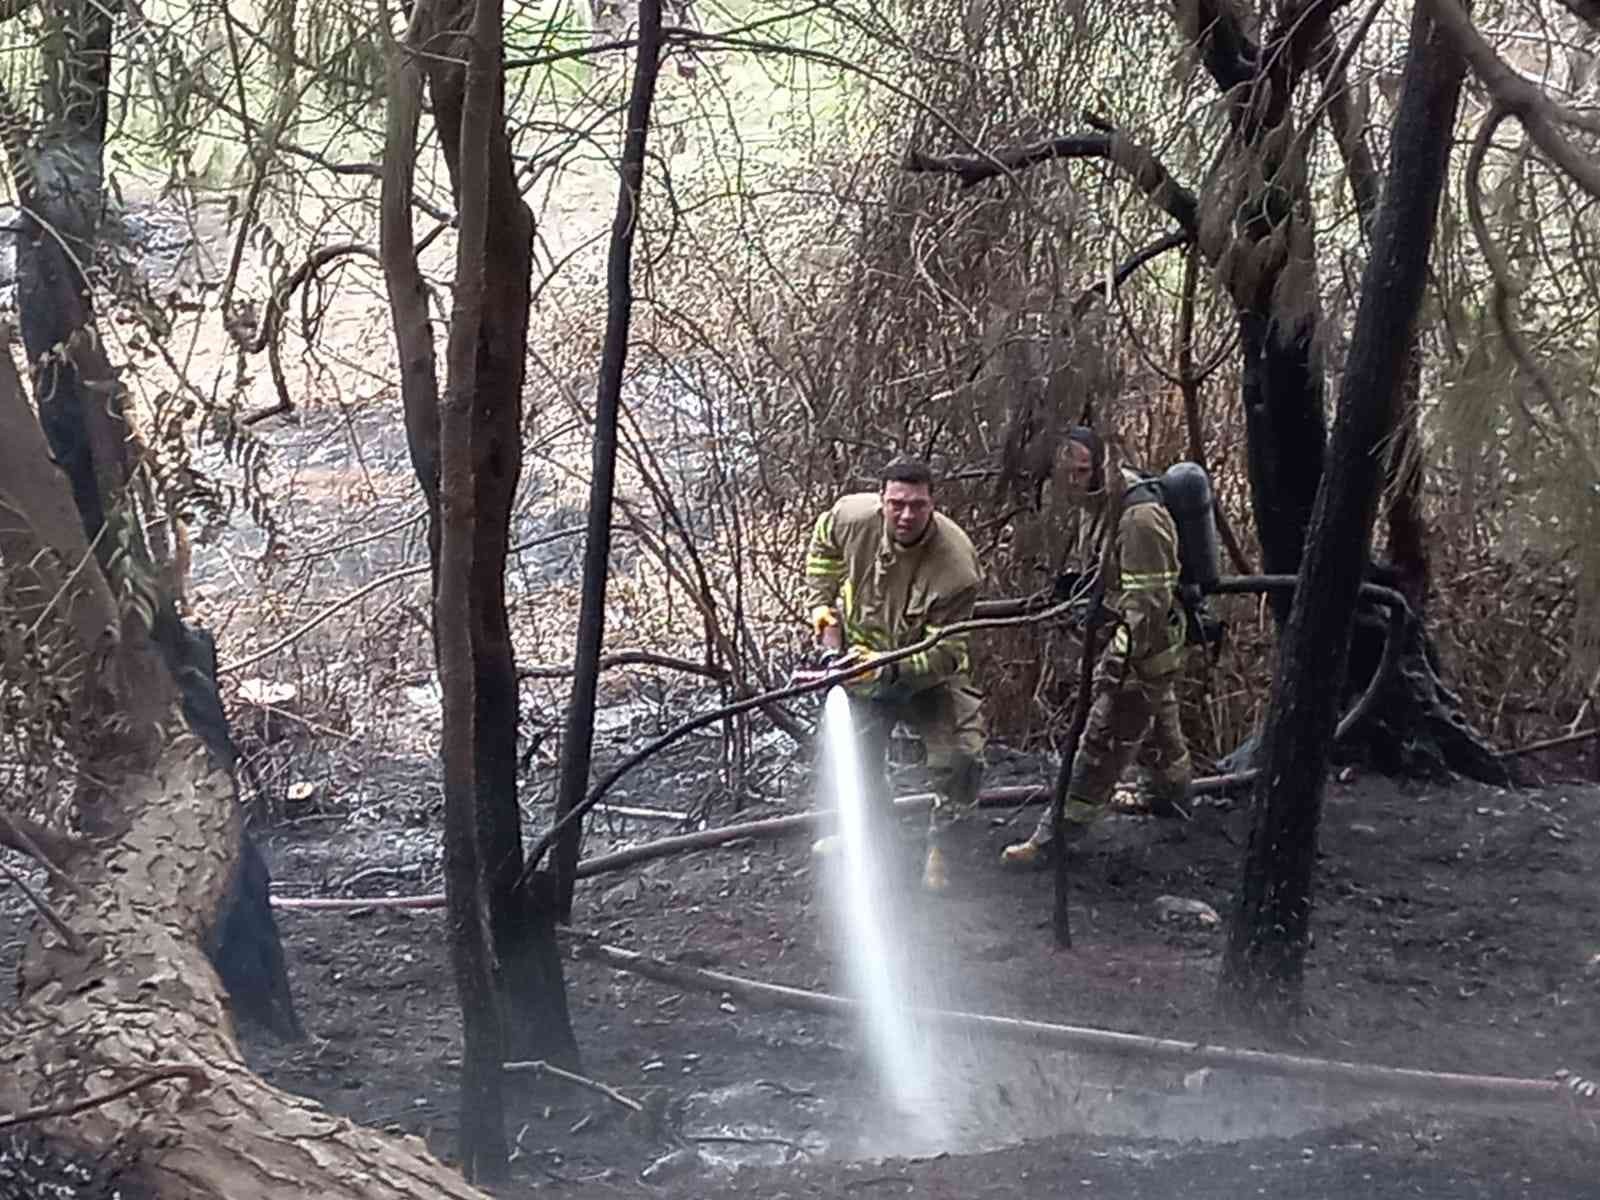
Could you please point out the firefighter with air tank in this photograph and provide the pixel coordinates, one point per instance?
(1135, 599)
(884, 570)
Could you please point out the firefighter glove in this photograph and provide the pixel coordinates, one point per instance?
(874, 680)
(823, 619)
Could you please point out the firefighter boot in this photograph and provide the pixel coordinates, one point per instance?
(1037, 852)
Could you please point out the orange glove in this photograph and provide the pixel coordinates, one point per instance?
(868, 681)
(825, 623)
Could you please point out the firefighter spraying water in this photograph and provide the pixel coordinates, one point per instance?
(885, 571)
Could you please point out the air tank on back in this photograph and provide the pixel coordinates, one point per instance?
(1186, 488)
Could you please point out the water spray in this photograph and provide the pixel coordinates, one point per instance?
(864, 917)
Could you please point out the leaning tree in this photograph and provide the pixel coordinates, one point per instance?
(122, 1039)
(155, 935)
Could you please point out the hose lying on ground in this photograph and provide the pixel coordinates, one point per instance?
(1398, 1081)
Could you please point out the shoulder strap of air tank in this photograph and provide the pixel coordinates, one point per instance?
(1147, 491)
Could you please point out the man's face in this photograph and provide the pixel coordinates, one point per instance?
(1078, 466)
(907, 507)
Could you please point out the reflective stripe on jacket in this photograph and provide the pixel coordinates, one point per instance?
(890, 596)
(1140, 569)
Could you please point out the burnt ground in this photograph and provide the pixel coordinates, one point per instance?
(1457, 929)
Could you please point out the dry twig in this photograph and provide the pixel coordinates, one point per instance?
(194, 1075)
(57, 922)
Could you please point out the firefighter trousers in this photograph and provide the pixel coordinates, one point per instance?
(948, 717)
(1130, 717)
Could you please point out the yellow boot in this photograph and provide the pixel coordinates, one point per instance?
(1031, 855)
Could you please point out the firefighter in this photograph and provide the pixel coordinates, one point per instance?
(1134, 704)
(884, 571)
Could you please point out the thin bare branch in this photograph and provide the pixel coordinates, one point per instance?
(1138, 162)
(195, 1077)
(383, 581)
(57, 922)
(45, 846)
(1540, 115)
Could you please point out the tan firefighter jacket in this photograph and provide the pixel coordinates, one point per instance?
(1140, 567)
(890, 596)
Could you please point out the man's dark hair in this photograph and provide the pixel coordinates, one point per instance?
(908, 470)
(1086, 437)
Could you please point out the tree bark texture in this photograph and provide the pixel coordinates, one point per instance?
(528, 965)
(578, 742)
(1263, 969)
(408, 293)
(59, 168)
(59, 171)
(145, 997)
(470, 400)
(1283, 387)
(132, 995)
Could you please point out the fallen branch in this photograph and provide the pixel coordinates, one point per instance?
(1440, 1086)
(630, 658)
(682, 843)
(832, 678)
(540, 1067)
(645, 814)
(748, 1139)
(1550, 743)
(196, 1077)
(1018, 796)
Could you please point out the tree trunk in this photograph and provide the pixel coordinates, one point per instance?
(1417, 726)
(146, 999)
(59, 173)
(528, 966)
(1283, 400)
(1263, 970)
(130, 1003)
(408, 293)
(470, 402)
(578, 742)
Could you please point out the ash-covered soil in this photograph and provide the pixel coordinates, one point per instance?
(1457, 929)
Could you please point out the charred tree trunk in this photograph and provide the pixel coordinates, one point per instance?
(1267, 266)
(527, 964)
(1263, 969)
(1283, 399)
(408, 293)
(59, 170)
(528, 971)
(1416, 727)
(578, 743)
(483, 1147)
(1283, 388)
